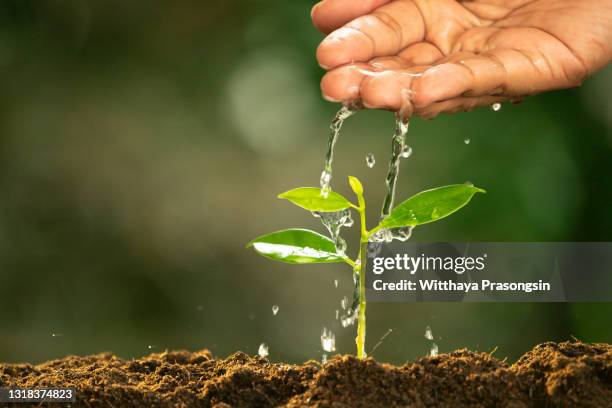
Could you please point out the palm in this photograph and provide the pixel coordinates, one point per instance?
(435, 56)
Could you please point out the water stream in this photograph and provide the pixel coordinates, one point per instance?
(334, 128)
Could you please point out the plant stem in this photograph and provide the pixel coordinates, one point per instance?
(360, 269)
(361, 319)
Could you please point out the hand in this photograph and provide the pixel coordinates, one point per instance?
(431, 56)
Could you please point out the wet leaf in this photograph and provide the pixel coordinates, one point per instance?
(430, 205)
(297, 246)
(311, 199)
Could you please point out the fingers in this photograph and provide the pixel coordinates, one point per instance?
(421, 53)
(329, 15)
(384, 32)
(474, 75)
(384, 83)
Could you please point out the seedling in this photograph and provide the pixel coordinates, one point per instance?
(301, 246)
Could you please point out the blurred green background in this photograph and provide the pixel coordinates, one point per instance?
(142, 144)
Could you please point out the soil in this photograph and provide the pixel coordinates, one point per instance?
(570, 374)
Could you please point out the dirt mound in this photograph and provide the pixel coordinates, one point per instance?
(567, 374)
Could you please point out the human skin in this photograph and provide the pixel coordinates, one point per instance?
(425, 57)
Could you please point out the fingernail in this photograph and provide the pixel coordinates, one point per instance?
(329, 98)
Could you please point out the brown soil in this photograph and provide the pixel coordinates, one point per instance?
(551, 375)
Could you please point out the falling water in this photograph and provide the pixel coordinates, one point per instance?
(333, 222)
(428, 333)
(370, 160)
(328, 343)
(326, 175)
(398, 144)
(433, 348)
(275, 309)
(399, 150)
(264, 350)
(433, 351)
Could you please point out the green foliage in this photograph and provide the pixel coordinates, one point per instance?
(297, 246)
(311, 199)
(430, 205)
(303, 246)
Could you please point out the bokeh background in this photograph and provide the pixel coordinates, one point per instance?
(142, 144)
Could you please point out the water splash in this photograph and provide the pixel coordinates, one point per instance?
(328, 340)
(275, 309)
(433, 351)
(406, 152)
(428, 333)
(333, 222)
(264, 350)
(370, 160)
(344, 303)
(433, 348)
(334, 128)
(467, 140)
(351, 317)
(496, 107)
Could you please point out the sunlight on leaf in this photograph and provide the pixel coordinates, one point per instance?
(297, 246)
(430, 205)
(311, 199)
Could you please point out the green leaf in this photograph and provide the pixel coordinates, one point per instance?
(311, 199)
(356, 185)
(297, 246)
(430, 205)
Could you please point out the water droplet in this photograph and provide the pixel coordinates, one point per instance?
(56, 334)
(328, 340)
(264, 350)
(151, 346)
(496, 107)
(406, 152)
(350, 318)
(337, 314)
(275, 309)
(334, 221)
(435, 214)
(433, 351)
(402, 233)
(374, 248)
(382, 235)
(335, 283)
(466, 140)
(428, 333)
(340, 245)
(348, 222)
(370, 160)
(344, 303)
(324, 358)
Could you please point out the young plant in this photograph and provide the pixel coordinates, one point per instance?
(301, 246)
